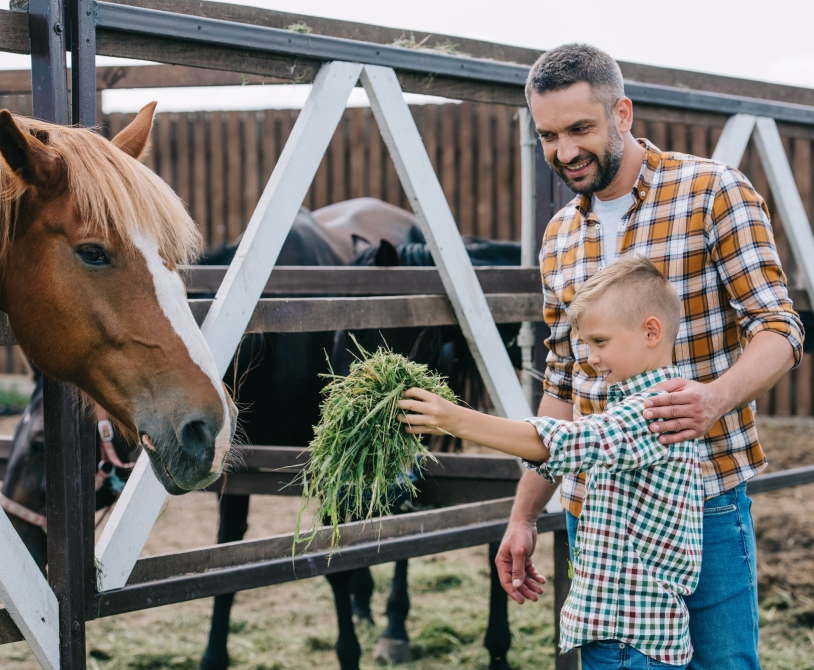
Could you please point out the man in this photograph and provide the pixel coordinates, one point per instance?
(708, 231)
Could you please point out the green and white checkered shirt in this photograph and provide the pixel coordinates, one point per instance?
(638, 546)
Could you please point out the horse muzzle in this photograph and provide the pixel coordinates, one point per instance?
(183, 455)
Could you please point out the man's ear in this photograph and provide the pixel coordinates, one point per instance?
(29, 159)
(134, 140)
(623, 111)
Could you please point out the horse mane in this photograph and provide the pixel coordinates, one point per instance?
(111, 192)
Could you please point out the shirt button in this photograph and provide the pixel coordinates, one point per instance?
(597, 226)
(642, 193)
(599, 268)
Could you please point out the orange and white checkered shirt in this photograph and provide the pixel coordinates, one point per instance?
(707, 230)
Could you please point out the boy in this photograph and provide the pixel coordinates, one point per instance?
(638, 547)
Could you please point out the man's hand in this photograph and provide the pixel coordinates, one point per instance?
(518, 576)
(689, 409)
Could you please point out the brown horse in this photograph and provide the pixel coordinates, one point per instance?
(89, 243)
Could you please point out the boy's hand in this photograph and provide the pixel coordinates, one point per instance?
(429, 414)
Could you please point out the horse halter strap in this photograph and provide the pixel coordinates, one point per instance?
(16, 509)
(110, 459)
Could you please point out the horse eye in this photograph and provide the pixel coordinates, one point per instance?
(92, 255)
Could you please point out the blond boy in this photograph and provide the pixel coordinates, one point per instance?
(638, 546)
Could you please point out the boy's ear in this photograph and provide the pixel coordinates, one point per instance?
(654, 331)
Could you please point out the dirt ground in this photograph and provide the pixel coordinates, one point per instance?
(292, 626)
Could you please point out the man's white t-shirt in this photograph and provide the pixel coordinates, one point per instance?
(610, 213)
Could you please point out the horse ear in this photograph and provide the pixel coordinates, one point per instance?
(360, 244)
(31, 160)
(387, 255)
(134, 140)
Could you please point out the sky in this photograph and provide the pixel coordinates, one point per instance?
(752, 39)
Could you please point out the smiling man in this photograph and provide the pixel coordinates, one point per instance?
(708, 232)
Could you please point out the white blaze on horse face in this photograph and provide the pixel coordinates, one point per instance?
(172, 297)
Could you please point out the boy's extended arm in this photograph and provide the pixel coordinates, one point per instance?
(430, 414)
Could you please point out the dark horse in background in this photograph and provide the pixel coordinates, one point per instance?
(24, 484)
(275, 379)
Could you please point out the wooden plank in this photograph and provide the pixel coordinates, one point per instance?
(182, 185)
(276, 571)
(466, 167)
(505, 142)
(298, 315)
(562, 584)
(734, 139)
(200, 188)
(485, 183)
(658, 133)
(234, 177)
(436, 222)
(376, 157)
(8, 629)
(70, 453)
(781, 480)
(429, 133)
(449, 174)
(217, 195)
(251, 171)
(29, 601)
(678, 137)
(270, 152)
(700, 142)
(803, 177)
(196, 561)
(350, 280)
(357, 186)
(337, 152)
(163, 147)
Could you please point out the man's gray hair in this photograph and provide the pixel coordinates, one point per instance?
(572, 63)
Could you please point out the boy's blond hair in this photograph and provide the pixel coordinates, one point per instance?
(636, 290)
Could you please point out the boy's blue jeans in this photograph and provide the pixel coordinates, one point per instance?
(723, 609)
(615, 655)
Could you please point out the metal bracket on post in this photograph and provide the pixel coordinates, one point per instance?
(143, 497)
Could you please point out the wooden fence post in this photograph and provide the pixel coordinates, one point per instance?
(70, 453)
(562, 582)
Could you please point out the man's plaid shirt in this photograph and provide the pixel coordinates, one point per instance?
(638, 547)
(707, 230)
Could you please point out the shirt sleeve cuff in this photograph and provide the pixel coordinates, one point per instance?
(791, 329)
(545, 426)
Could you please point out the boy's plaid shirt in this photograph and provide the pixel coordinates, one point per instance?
(638, 547)
(708, 231)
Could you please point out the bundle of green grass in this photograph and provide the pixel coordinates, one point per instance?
(360, 450)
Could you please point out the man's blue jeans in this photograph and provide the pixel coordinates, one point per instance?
(723, 609)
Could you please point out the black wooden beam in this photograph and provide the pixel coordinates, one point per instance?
(46, 25)
(277, 571)
(83, 61)
(350, 281)
(182, 28)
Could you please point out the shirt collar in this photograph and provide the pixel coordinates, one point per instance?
(652, 158)
(641, 382)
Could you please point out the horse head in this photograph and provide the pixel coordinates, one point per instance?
(90, 241)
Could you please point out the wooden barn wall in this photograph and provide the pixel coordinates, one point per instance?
(219, 162)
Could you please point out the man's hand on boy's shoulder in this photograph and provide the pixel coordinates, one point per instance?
(688, 409)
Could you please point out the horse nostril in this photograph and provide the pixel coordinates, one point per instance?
(196, 439)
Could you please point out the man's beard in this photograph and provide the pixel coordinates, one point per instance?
(606, 168)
